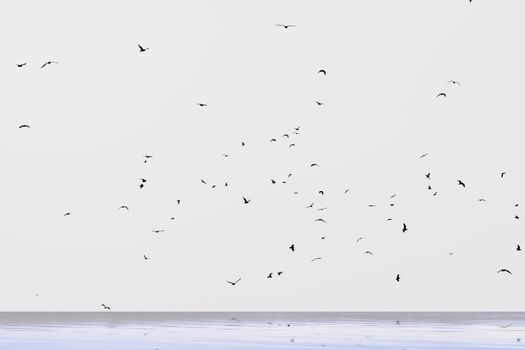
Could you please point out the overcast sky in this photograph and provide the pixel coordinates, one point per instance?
(95, 114)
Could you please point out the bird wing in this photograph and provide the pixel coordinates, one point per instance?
(44, 65)
(140, 47)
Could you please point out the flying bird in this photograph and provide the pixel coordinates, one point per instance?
(453, 82)
(233, 283)
(427, 176)
(157, 231)
(24, 126)
(286, 26)
(314, 259)
(246, 201)
(482, 200)
(518, 248)
(360, 238)
(319, 103)
(505, 270)
(141, 49)
(280, 273)
(124, 207)
(292, 247)
(145, 257)
(286, 135)
(67, 214)
(442, 94)
(202, 104)
(48, 62)
(423, 155)
(502, 174)
(321, 192)
(321, 71)
(314, 164)
(405, 228)
(461, 183)
(368, 252)
(310, 206)
(202, 181)
(347, 190)
(269, 275)
(20, 65)
(398, 278)
(105, 307)
(291, 145)
(516, 217)
(320, 220)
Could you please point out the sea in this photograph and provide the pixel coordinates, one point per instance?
(260, 330)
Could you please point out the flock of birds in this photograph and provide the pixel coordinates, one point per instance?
(247, 201)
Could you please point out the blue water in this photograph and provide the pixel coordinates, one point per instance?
(122, 330)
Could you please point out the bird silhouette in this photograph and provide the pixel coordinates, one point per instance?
(360, 238)
(202, 181)
(243, 144)
(202, 104)
(67, 214)
(178, 201)
(461, 183)
(442, 94)
(429, 187)
(505, 270)
(269, 275)
(314, 164)
(435, 194)
(423, 155)
(142, 49)
(321, 192)
(280, 273)
(48, 62)
(246, 201)
(427, 176)
(273, 140)
(105, 307)
(233, 283)
(368, 252)
(292, 247)
(502, 174)
(286, 26)
(319, 103)
(405, 228)
(322, 220)
(398, 278)
(143, 180)
(286, 135)
(518, 248)
(141, 186)
(310, 206)
(273, 181)
(124, 207)
(145, 257)
(453, 82)
(516, 217)
(314, 259)
(20, 65)
(321, 71)
(291, 145)
(24, 126)
(157, 231)
(482, 200)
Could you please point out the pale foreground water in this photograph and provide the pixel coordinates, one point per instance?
(165, 330)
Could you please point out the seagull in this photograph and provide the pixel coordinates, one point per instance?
(292, 247)
(246, 201)
(321, 192)
(320, 220)
(360, 238)
(273, 181)
(105, 307)
(429, 187)
(202, 104)
(405, 228)
(453, 81)
(320, 209)
(450, 253)
(427, 176)
(233, 283)
(270, 275)
(141, 186)
(142, 180)
(314, 164)
(423, 155)
(178, 201)
(291, 145)
(347, 190)
(394, 195)
(482, 200)
(145, 257)
(505, 270)
(516, 217)
(398, 278)
(273, 140)
(502, 174)
(243, 144)
(435, 194)
(20, 65)
(314, 259)
(442, 94)
(204, 182)
(67, 214)
(319, 103)
(157, 231)
(321, 71)
(143, 49)
(518, 248)
(372, 205)
(48, 62)
(310, 206)
(368, 252)
(147, 156)
(286, 135)
(124, 207)
(461, 183)
(280, 273)
(286, 26)
(24, 126)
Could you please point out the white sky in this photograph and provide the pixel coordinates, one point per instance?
(96, 113)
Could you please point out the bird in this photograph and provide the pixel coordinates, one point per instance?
(423, 155)
(124, 207)
(269, 275)
(157, 231)
(405, 228)
(20, 65)
(67, 214)
(321, 71)
(321, 209)
(394, 195)
(454, 82)
(314, 259)
(48, 62)
(319, 103)
(246, 201)
(398, 278)
(314, 164)
(518, 248)
(427, 176)
(292, 247)
(145, 257)
(516, 217)
(141, 186)
(24, 126)
(178, 201)
(143, 180)
(322, 220)
(233, 283)
(461, 183)
(273, 140)
(280, 273)
(482, 200)
(435, 194)
(368, 252)
(310, 206)
(505, 270)
(243, 144)
(286, 26)
(202, 104)
(286, 135)
(105, 307)
(502, 174)
(291, 145)
(442, 94)
(273, 181)
(141, 49)
(321, 192)
(429, 187)
(360, 238)
(372, 205)
(450, 253)
(202, 181)
(147, 156)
